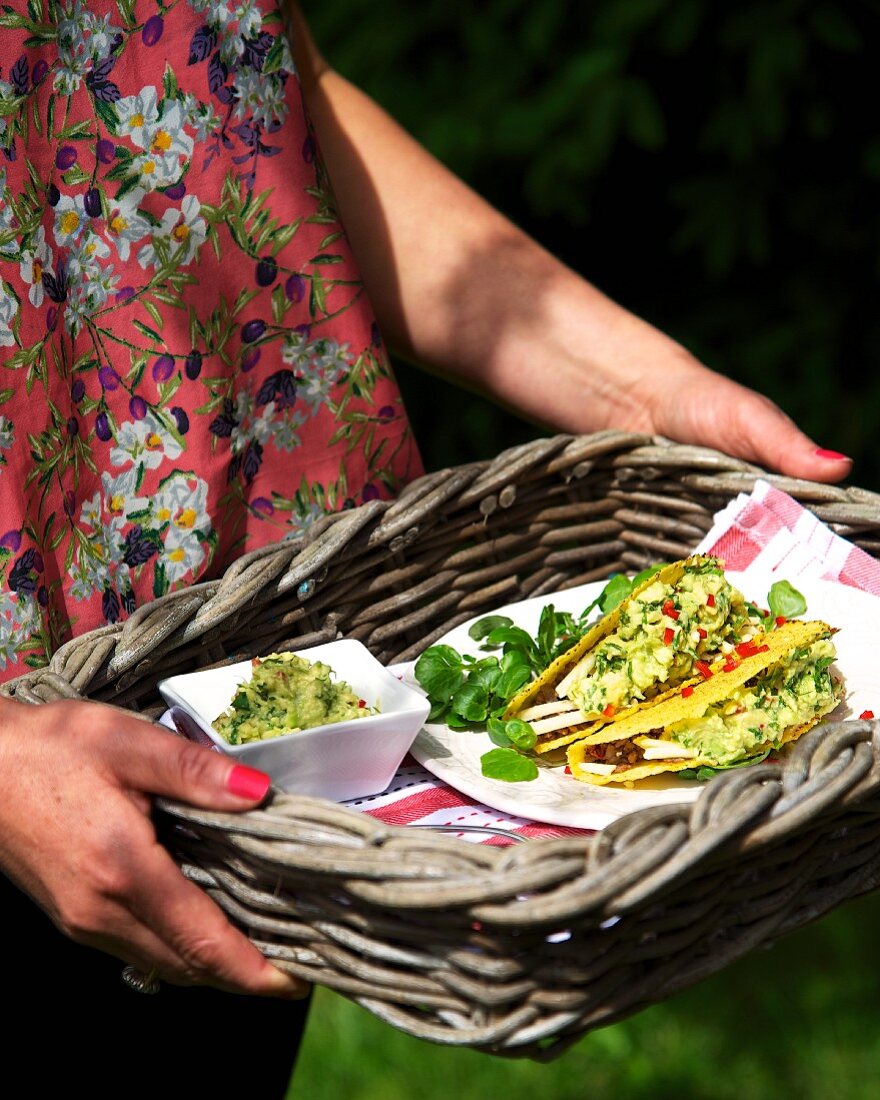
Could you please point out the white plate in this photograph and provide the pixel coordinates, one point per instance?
(557, 798)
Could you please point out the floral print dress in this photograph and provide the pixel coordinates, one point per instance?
(190, 367)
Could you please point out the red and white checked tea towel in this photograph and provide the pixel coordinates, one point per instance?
(766, 535)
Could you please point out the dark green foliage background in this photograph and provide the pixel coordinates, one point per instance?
(715, 167)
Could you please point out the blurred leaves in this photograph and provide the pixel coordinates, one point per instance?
(715, 167)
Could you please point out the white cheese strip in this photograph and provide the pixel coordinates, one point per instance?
(597, 769)
(576, 674)
(541, 710)
(664, 750)
(571, 718)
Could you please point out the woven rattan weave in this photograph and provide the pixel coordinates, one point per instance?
(520, 949)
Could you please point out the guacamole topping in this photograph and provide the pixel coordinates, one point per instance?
(787, 695)
(286, 694)
(662, 633)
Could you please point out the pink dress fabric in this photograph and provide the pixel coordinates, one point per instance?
(191, 367)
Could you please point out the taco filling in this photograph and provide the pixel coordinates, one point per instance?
(657, 640)
(661, 633)
(775, 705)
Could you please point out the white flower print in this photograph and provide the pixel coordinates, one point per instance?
(168, 136)
(250, 19)
(34, 262)
(138, 115)
(154, 171)
(125, 225)
(101, 35)
(8, 310)
(7, 434)
(119, 494)
(296, 349)
(218, 11)
(83, 39)
(284, 432)
(261, 95)
(181, 503)
(261, 429)
(145, 442)
(241, 433)
(70, 219)
(90, 283)
(319, 364)
(185, 231)
(231, 49)
(85, 254)
(98, 561)
(201, 116)
(18, 623)
(181, 554)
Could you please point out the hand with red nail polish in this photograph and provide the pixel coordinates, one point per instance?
(613, 370)
(78, 838)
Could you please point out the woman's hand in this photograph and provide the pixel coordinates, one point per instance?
(78, 838)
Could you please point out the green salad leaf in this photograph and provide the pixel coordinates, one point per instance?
(785, 600)
(704, 772)
(509, 765)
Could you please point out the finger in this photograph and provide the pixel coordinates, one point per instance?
(763, 433)
(149, 758)
(131, 941)
(702, 407)
(194, 928)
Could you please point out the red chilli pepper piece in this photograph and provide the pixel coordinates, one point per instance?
(567, 770)
(866, 714)
(702, 632)
(362, 702)
(781, 620)
(747, 649)
(669, 610)
(731, 665)
(668, 635)
(687, 691)
(763, 649)
(710, 600)
(609, 710)
(703, 669)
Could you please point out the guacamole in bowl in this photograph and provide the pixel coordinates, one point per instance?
(287, 693)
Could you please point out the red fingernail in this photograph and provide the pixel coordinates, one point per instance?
(248, 782)
(835, 456)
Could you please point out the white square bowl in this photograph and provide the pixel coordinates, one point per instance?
(338, 761)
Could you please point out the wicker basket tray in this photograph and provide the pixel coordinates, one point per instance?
(514, 950)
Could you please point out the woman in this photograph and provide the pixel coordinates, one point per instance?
(194, 369)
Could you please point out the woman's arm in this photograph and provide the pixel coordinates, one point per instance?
(460, 290)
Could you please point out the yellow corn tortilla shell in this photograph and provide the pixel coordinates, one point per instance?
(660, 714)
(628, 775)
(657, 717)
(558, 669)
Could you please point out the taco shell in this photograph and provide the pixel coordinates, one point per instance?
(647, 728)
(560, 721)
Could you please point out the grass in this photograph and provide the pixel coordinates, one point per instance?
(801, 1019)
